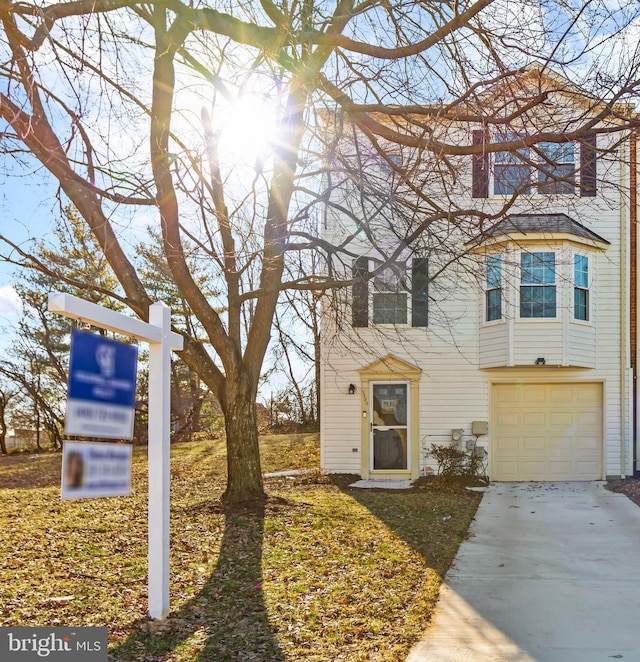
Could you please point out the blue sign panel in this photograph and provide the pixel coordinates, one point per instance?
(102, 387)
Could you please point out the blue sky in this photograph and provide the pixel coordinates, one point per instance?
(24, 216)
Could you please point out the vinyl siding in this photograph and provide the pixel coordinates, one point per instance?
(494, 341)
(461, 357)
(581, 341)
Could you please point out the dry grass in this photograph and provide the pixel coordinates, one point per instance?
(318, 572)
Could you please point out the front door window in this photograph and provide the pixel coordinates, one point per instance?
(389, 426)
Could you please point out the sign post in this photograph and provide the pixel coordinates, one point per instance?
(157, 332)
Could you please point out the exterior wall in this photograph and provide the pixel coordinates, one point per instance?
(460, 355)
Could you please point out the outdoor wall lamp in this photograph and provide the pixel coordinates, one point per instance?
(540, 360)
(352, 389)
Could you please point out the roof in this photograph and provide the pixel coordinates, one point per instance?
(539, 224)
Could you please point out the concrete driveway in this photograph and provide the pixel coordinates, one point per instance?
(551, 573)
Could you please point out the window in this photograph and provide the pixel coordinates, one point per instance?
(389, 301)
(511, 174)
(581, 287)
(557, 168)
(494, 288)
(537, 285)
(392, 294)
(513, 170)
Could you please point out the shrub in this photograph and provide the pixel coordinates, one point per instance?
(453, 462)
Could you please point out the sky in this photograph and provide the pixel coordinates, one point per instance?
(23, 215)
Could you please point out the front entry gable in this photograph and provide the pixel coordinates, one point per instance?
(388, 367)
(382, 433)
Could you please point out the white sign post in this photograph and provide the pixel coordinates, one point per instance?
(161, 341)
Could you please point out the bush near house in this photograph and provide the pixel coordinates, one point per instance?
(318, 571)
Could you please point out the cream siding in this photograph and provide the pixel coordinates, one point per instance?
(494, 340)
(537, 338)
(461, 359)
(581, 345)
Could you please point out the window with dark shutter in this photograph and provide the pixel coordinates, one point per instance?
(360, 292)
(588, 167)
(480, 167)
(419, 292)
(389, 298)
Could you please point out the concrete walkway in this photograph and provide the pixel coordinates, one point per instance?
(551, 573)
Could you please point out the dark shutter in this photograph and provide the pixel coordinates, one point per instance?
(480, 167)
(588, 167)
(419, 292)
(360, 292)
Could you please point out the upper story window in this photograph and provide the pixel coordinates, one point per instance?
(511, 170)
(494, 288)
(546, 168)
(581, 287)
(395, 293)
(538, 284)
(556, 174)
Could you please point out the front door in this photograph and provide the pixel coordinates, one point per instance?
(389, 418)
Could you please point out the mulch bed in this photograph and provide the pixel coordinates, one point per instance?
(629, 486)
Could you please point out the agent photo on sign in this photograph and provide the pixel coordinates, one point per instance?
(74, 471)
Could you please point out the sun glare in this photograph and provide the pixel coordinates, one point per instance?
(248, 131)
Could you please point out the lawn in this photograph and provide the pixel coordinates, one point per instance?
(318, 572)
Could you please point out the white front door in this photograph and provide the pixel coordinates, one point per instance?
(389, 425)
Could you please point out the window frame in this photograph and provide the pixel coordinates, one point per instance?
(382, 289)
(508, 161)
(562, 164)
(582, 288)
(493, 288)
(534, 280)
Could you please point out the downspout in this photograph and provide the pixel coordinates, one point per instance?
(624, 317)
(633, 288)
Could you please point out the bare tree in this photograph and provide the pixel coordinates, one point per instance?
(102, 95)
(6, 395)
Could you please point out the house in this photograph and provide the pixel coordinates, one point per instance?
(510, 329)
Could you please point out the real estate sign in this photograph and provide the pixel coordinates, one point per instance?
(102, 387)
(95, 469)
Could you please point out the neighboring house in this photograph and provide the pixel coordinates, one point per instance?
(524, 347)
(26, 438)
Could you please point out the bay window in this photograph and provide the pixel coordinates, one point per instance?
(581, 287)
(538, 284)
(494, 288)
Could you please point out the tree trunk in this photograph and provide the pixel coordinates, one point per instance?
(196, 401)
(244, 475)
(37, 417)
(4, 399)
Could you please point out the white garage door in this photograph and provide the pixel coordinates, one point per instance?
(546, 432)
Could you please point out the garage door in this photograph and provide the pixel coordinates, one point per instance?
(546, 432)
